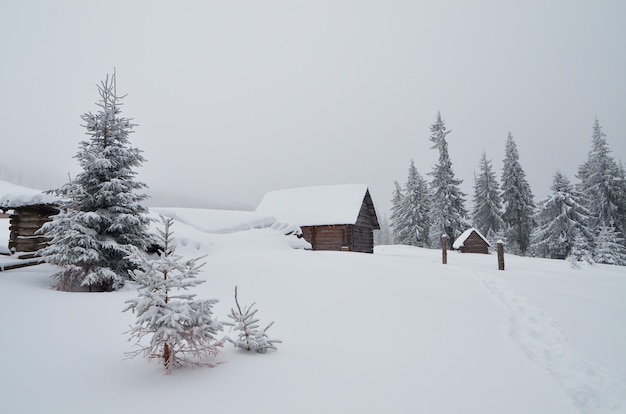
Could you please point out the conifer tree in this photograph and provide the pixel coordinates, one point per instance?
(416, 210)
(581, 251)
(604, 184)
(182, 329)
(500, 236)
(517, 199)
(250, 337)
(448, 212)
(103, 219)
(487, 203)
(397, 214)
(560, 218)
(609, 247)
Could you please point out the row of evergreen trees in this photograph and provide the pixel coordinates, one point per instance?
(585, 221)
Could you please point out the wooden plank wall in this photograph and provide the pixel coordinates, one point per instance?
(474, 244)
(327, 237)
(362, 239)
(340, 237)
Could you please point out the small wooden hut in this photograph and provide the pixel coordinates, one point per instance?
(30, 209)
(340, 217)
(471, 241)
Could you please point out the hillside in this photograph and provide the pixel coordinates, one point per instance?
(391, 332)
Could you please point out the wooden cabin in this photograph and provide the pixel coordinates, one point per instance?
(339, 217)
(471, 241)
(30, 209)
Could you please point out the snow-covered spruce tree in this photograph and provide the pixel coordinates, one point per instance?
(487, 203)
(517, 199)
(182, 329)
(397, 215)
(415, 210)
(560, 218)
(448, 213)
(580, 252)
(250, 337)
(609, 246)
(103, 219)
(603, 183)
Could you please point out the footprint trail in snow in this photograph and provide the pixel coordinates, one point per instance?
(593, 387)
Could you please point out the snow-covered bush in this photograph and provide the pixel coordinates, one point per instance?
(182, 329)
(250, 337)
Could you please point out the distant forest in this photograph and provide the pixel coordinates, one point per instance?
(583, 221)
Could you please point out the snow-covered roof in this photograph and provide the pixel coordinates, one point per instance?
(315, 206)
(460, 241)
(13, 196)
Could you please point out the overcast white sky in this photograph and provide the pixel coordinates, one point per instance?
(237, 98)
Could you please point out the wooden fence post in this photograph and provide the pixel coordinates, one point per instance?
(500, 248)
(444, 249)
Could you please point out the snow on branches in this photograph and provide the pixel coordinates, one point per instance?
(102, 218)
(182, 329)
(250, 337)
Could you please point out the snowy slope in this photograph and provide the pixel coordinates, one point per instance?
(391, 332)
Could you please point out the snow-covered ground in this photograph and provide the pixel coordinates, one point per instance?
(393, 332)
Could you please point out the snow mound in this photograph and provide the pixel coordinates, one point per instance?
(200, 222)
(217, 221)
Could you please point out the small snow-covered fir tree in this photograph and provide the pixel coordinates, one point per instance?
(182, 329)
(580, 252)
(487, 203)
(560, 218)
(448, 213)
(609, 248)
(102, 220)
(498, 236)
(517, 199)
(250, 337)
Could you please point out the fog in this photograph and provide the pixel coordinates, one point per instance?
(234, 99)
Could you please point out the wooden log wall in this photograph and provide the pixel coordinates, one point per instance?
(344, 237)
(327, 237)
(24, 223)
